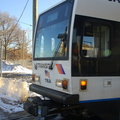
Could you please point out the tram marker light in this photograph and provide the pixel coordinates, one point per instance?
(35, 78)
(65, 84)
(62, 83)
(83, 84)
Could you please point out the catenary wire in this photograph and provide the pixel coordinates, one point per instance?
(19, 18)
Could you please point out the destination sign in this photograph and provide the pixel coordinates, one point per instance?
(115, 1)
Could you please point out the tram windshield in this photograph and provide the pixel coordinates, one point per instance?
(51, 38)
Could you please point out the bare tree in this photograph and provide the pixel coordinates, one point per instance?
(13, 38)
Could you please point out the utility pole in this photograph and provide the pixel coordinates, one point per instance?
(0, 58)
(23, 47)
(35, 16)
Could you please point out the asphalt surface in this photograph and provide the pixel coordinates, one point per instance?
(16, 116)
(23, 115)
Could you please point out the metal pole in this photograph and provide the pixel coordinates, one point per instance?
(35, 16)
(1, 58)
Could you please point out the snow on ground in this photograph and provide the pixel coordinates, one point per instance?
(7, 103)
(14, 68)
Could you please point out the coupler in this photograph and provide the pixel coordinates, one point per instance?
(36, 106)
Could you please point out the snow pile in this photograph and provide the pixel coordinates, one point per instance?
(7, 66)
(9, 104)
(14, 68)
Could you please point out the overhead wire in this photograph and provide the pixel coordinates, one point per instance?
(25, 23)
(19, 18)
(20, 21)
(22, 13)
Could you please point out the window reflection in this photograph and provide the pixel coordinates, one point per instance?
(95, 40)
(47, 41)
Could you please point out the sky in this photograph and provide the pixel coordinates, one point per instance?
(15, 7)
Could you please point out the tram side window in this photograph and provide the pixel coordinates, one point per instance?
(95, 40)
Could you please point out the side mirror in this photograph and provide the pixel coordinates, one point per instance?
(62, 36)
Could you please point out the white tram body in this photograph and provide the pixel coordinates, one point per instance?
(76, 56)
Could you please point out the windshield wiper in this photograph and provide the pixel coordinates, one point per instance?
(62, 38)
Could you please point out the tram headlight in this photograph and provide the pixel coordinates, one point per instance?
(83, 84)
(59, 83)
